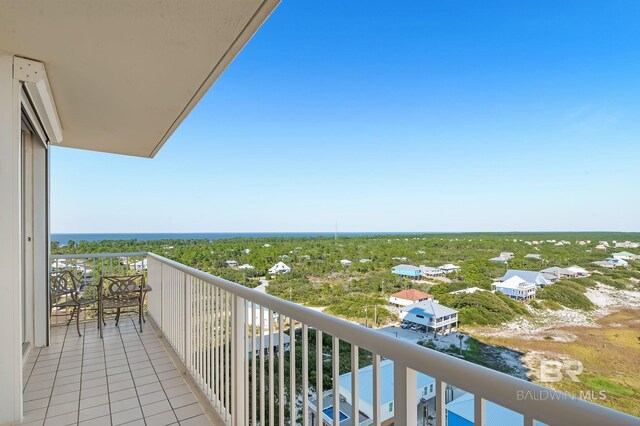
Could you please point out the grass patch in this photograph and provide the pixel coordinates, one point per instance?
(603, 384)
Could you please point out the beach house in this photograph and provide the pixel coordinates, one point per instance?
(279, 268)
(516, 288)
(408, 297)
(448, 268)
(533, 277)
(431, 315)
(413, 272)
(424, 391)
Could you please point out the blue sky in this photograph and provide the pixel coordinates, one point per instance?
(423, 116)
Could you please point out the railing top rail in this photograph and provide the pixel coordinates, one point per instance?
(513, 393)
(97, 255)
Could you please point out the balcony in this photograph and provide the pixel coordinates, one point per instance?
(204, 324)
(126, 378)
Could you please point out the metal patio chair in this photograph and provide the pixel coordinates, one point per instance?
(66, 293)
(116, 293)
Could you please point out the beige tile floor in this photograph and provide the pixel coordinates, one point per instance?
(127, 378)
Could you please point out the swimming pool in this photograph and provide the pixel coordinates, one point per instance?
(329, 413)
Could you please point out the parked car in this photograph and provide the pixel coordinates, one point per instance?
(404, 325)
(414, 328)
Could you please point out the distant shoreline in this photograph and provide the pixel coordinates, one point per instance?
(64, 238)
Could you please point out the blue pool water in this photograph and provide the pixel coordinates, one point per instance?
(329, 412)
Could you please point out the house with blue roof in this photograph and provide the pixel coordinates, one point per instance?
(460, 413)
(410, 271)
(532, 277)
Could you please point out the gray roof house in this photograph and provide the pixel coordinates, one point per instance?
(534, 277)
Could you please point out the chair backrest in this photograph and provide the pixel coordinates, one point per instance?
(62, 283)
(122, 286)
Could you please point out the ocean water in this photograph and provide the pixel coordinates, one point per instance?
(65, 238)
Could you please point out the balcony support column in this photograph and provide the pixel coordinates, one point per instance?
(10, 245)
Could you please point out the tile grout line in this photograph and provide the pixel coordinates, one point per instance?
(164, 390)
(84, 333)
(64, 340)
(131, 373)
(105, 372)
(159, 381)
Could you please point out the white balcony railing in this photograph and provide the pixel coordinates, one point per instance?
(207, 322)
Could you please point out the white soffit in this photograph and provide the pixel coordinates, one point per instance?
(124, 74)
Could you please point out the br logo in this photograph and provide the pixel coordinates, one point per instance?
(554, 371)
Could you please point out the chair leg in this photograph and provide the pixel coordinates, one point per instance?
(78, 321)
(117, 317)
(73, 311)
(100, 324)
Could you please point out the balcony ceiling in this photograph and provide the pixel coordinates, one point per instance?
(124, 74)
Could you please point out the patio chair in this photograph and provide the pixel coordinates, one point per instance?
(66, 293)
(118, 293)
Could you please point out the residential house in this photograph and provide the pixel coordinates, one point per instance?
(429, 271)
(604, 264)
(139, 265)
(279, 268)
(516, 288)
(399, 259)
(365, 260)
(507, 255)
(498, 259)
(408, 297)
(346, 262)
(601, 247)
(536, 256)
(266, 347)
(617, 262)
(625, 255)
(432, 315)
(578, 271)
(449, 268)
(246, 251)
(533, 277)
(425, 390)
(246, 266)
(628, 244)
(231, 263)
(460, 412)
(555, 273)
(410, 271)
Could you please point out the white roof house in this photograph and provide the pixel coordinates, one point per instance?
(507, 254)
(231, 263)
(365, 260)
(499, 259)
(625, 255)
(279, 268)
(533, 256)
(533, 277)
(557, 272)
(425, 389)
(578, 271)
(246, 266)
(516, 288)
(429, 313)
(429, 271)
(449, 267)
(346, 262)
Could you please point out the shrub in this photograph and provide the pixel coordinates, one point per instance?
(484, 308)
(567, 294)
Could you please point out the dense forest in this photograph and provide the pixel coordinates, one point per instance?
(358, 292)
